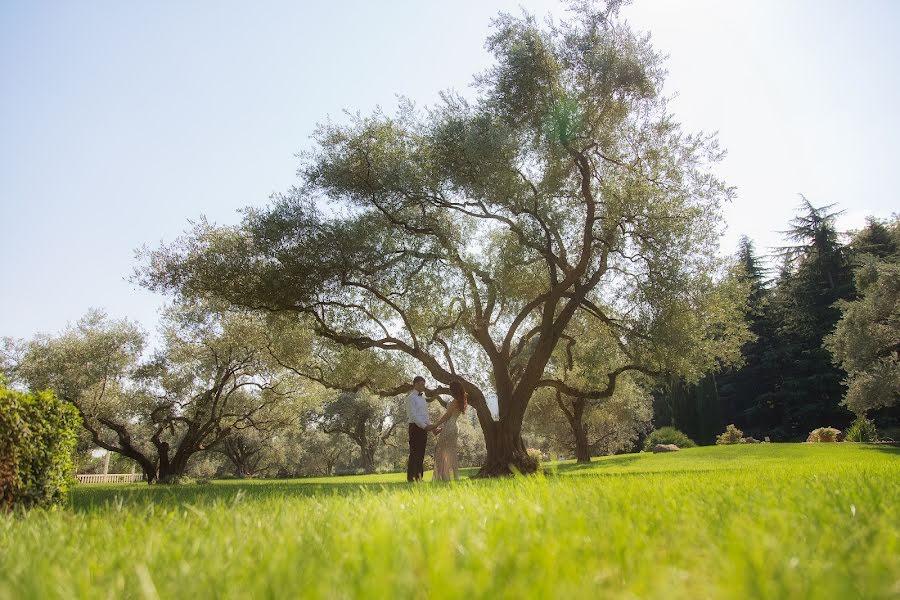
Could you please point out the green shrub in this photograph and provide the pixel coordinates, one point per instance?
(668, 435)
(38, 434)
(732, 435)
(861, 430)
(824, 434)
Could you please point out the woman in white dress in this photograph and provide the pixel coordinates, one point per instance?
(446, 460)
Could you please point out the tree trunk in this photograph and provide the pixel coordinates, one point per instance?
(579, 430)
(582, 448)
(575, 418)
(368, 458)
(172, 472)
(506, 452)
(169, 470)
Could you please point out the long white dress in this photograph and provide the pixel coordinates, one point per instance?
(446, 459)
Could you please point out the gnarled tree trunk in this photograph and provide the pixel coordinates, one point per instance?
(506, 452)
(575, 418)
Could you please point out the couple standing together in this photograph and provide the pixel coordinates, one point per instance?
(446, 461)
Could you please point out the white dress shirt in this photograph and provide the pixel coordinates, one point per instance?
(417, 409)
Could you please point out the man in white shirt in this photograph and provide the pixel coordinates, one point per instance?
(419, 426)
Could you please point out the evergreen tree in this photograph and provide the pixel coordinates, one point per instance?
(865, 341)
(702, 409)
(744, 391)
(817, 273)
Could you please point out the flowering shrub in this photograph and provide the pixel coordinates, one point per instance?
(536, 455)
(732, 435)
(824, 434)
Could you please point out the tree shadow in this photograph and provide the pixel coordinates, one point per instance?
(597, 465)
(112, 497)
(892, 448)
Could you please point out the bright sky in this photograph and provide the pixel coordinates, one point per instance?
(119, 121)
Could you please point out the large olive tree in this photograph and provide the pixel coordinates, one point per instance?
(465, 237)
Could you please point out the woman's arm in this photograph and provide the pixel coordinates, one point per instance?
(450, 409)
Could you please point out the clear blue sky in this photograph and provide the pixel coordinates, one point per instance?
(119, 121)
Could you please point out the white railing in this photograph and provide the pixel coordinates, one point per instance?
(110, 478)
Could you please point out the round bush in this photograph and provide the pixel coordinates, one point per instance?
(668, 435)
(38, 434)
(824, 434)
(732, 435)
(861, 430)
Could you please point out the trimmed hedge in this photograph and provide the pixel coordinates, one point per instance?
(38, 434)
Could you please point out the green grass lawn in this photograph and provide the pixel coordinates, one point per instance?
(760, 521)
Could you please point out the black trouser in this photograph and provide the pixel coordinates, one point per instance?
(418, 438)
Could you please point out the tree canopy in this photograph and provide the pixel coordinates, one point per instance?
(211, 376)
(465, 237)
(866, 341)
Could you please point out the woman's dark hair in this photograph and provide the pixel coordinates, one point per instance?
(459, 393)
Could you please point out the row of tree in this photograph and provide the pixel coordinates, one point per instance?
(551, 242)
(826, 338)
(220, 392)
(215, 400)
(213, 394)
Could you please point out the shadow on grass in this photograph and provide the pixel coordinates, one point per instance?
(87, 498)
(891, 449)
(597, 465)
(92, 499)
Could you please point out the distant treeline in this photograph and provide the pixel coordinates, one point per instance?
(791, 382)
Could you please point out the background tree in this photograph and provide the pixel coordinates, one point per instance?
(866, 341)
(210, 377)
(609, 427)
(320, 453)
(694, 408)
(467, 237)
(249, 450)
(733, 394)
(816, 275)
(583, 361)
(366, 420)
(741, 389)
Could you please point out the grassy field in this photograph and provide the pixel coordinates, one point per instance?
(760, 521)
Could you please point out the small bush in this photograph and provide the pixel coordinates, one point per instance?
(824, 434)
(862, 430)
(38, 435)
(536, 455)
(668, 435)
(428, 463)
(732, 435)
(177, 480)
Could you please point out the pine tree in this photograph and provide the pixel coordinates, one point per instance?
(816, 274)
(702, 409)
(744, 391)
